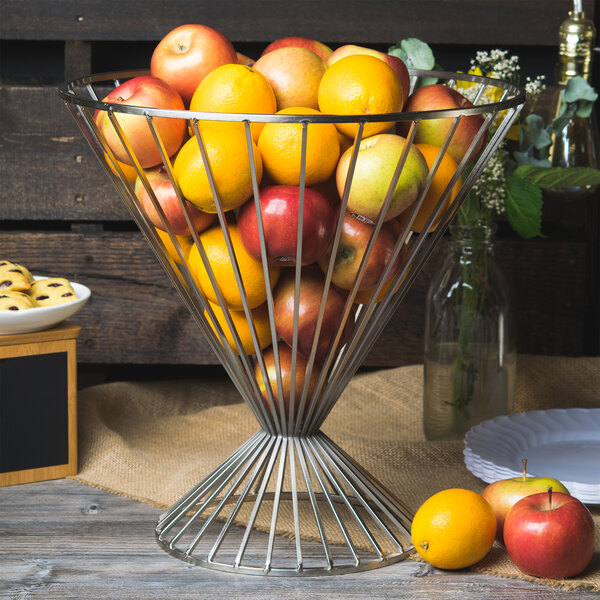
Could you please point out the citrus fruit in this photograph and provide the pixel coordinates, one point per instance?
(128, 170)
(227, 153)
(251, 272)
(360, 85)
(260, 320)
(444, 174)
(234, 88)
(280, 146)
(185, 242)
(454, 529)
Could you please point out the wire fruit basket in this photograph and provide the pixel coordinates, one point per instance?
(290, 501)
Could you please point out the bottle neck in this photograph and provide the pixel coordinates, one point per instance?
(576, 37)
(468, 240)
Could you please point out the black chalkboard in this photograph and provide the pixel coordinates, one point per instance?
(33, 411)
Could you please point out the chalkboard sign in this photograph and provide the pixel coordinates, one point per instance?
(33, 412)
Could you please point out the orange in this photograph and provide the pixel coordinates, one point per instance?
(454, 529)
(360, 85)
(128, 170)
(280, 146)
(185, 242)
(441, 179)
(234, 89)
(260, 320)
(251, 271)
(227, 153)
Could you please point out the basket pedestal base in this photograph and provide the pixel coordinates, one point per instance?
(288, 506)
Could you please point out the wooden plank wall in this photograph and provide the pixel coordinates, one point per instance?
(60, 214)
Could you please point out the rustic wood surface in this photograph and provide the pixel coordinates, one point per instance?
(438, 21)
(62, 539)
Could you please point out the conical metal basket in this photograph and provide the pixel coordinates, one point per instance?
(289, 501)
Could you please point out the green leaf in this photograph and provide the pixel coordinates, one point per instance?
(535, 133)
(565, 114)
(526, 158)
(523, 204)
(578, 89)
(558, 177)
(415, 54)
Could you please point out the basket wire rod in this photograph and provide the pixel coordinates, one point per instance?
(366, 500)
(313, 500)
(416, 259)
(318, 453)
(383, 498)
(101, 149)
(295, 507)
(258, 502)
(330, 398)
(265, 266)
(276, 501)
(183, 505)
(224, 500)
(267, 452)
(257, 406)
(331, 504)
(297, 274)
(301, 423)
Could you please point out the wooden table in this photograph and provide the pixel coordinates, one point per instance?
(62, 539)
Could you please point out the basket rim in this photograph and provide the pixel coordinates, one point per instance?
(516, 97)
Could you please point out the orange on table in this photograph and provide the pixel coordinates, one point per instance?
(360, 84)
(251, 272)
(280, 146)
(444, 174)
(260, 320)
(454, 529)
(227, 153)
(185, 242)
(234, 89)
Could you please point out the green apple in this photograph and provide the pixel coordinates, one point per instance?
(504, 494)
(376, 163)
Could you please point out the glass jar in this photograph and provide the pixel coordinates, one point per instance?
(470, 350)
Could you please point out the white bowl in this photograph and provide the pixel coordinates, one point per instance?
(42, 317)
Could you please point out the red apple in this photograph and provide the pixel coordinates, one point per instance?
(279, 209)
(393, 61)
(549, 535)
(312, 285)
(376, 164)
(504, 494)
(285, 368)
(318, 48)
(187, 54)
(354, 238)
(434, 131)
(167, 198)
(294, 74)
(148, 92)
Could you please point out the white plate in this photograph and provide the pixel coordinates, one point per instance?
(559, 443)
(42, 317)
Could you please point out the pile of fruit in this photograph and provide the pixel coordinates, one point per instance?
(546, 531)
(196, 68)
(19, 290)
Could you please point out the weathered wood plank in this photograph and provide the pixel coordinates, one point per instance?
(135, 316)
(374, 21)
(62, 539)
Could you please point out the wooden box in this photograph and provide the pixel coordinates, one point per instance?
(38, 405)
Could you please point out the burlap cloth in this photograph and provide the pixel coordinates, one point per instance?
(154, 441)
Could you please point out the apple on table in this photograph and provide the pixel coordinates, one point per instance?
(504, 494)
(550, 535)
(143, 91)
(187, 54)
(279, 208)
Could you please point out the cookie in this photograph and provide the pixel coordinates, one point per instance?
(16, 301)
(52, 290)
(14, 278)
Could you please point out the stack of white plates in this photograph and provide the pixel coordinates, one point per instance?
(559, 443)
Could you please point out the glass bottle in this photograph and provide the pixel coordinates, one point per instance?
(470, 350)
